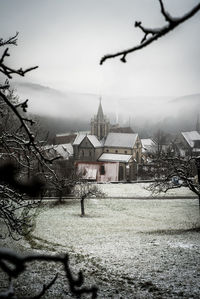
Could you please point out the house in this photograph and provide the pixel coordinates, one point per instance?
(124, 162)
(188, 144)
(64, 151)
(98, 171)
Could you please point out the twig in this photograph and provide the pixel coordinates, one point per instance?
(156, 33)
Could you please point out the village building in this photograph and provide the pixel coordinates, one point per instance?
(188, 144)
(119, 152)
(98, 171)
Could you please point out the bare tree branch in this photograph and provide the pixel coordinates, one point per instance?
(156, 33)
(19, 262)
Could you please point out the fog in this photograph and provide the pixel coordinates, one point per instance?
(70, 111)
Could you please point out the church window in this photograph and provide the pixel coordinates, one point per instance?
(102, 170)
(137, 156)
(90, 153)
(83, 153)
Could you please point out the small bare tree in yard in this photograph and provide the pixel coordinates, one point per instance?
(85, 190)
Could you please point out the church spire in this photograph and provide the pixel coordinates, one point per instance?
(100, 115)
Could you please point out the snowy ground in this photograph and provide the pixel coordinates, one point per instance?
(140, 190)
(129, 248)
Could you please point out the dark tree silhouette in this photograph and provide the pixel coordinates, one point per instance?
(179, 172)
(18, 147)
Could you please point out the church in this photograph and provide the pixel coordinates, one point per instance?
(102, 149)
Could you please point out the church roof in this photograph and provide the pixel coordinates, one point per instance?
(79, 138)
(115, 157)
(92, 138)
(121, 140)
(95, 142)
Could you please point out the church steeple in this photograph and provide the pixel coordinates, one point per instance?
(100, 115)
(99, 124)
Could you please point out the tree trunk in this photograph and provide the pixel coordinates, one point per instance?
(197, 161)
(199, 204)
(82, 207)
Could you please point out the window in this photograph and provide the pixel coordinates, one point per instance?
(102, 170)
(125, 152)
(107, 150)
(83, 153)
(116, 151)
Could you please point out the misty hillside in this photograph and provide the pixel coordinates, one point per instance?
(63, 111)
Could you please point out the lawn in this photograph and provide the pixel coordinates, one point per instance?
(129, 248)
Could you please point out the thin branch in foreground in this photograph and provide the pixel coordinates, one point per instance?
(18, 262)
(172, 23)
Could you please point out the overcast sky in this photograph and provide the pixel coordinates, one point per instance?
(67, 38)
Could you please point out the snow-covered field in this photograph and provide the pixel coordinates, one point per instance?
(140, 190)
(129, 248)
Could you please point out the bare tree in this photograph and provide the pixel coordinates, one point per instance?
(83, 190)
(20, 152)
(153, 34)
(161, 139)
(179, 172)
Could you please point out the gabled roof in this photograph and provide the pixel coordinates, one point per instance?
(79, 138)
(92, 138)
(64, 150)
(95, 142)
(148, 145)
(191, 137)
(121, 140)
(115, 157)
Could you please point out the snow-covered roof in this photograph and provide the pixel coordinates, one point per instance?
(191, 137)
(148, 145)
(79, 138)
(63, 134)
(115, 157)
(95, 142)
(92, 138)
(64, 150)
(121, 140)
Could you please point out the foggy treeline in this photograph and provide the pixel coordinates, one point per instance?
(64, 111)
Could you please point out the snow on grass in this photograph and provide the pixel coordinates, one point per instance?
(147, 246)
(140, 190)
